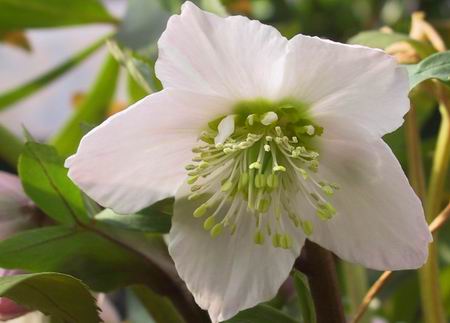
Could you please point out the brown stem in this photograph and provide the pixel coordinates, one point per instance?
(318, 265)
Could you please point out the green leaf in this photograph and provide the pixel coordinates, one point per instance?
(100, 259)
(436, 66)
(44, 179)
(153, 221)
(159, 307)
(10, 147)
(15, 95)
(214, 6)
(261, 314)
(61, 296)
(378, 39)
(51, 13)
(140, 68)
(93, 109)
(304, 297)
(143, 24)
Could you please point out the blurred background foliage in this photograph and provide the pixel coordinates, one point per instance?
(58, 78)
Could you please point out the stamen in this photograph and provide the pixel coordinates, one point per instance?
(257, 164)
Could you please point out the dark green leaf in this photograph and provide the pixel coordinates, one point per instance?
(10, 147)
(154, 221)
(144, 22)
(159, 307)
(304, 297)
(261, 314)
(61, 296)
(378, 39)
(45, 181)
(18, 14)
(436, 66)
(10, 97)
(105, 262)
(93, 108)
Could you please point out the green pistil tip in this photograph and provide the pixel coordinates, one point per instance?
(192, 179)
(276, 240)
(259, 238)
(325, 211)
(263, 205)
(200, 211)
(307, 227)
(327, 189)
(260, 181)
(209, 223)
(272, 181)
(243, 181)
(216, 230)
(226, 186)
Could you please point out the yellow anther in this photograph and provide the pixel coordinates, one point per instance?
(307, 227)
(201, 210)
(216, 230)
(209, 223)
(259, 238)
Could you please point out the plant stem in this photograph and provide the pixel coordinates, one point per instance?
(415, 163)
(356, 285)
(433, 310)
(318, 265)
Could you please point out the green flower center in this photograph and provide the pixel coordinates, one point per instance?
(258, 159)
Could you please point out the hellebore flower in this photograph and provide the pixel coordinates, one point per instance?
(263, 141)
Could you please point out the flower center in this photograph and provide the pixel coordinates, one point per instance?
(257, 159)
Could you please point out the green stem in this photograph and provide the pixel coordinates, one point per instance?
(414, 154)
(433, 310)
(10, 147)
(356, 286)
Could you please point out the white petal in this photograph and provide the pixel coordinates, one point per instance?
(225, 129)
(233, 57)
(351, 81)
(379, 222)
(137, 157)
(227, 274)
(14, 206)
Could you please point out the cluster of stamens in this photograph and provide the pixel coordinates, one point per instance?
(266, 161)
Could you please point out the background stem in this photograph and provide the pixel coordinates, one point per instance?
(433, 310)
(318, 265)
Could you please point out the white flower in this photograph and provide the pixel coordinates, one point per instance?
(280, 140)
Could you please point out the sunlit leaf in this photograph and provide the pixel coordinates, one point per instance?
(10, 147)
(52, 294)
(382, 40)
(20, 14)
(93, 109)
(304, 297)
(436, 66)
(12, 96)
(153, 221)
(45, 181)
(261, 314)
